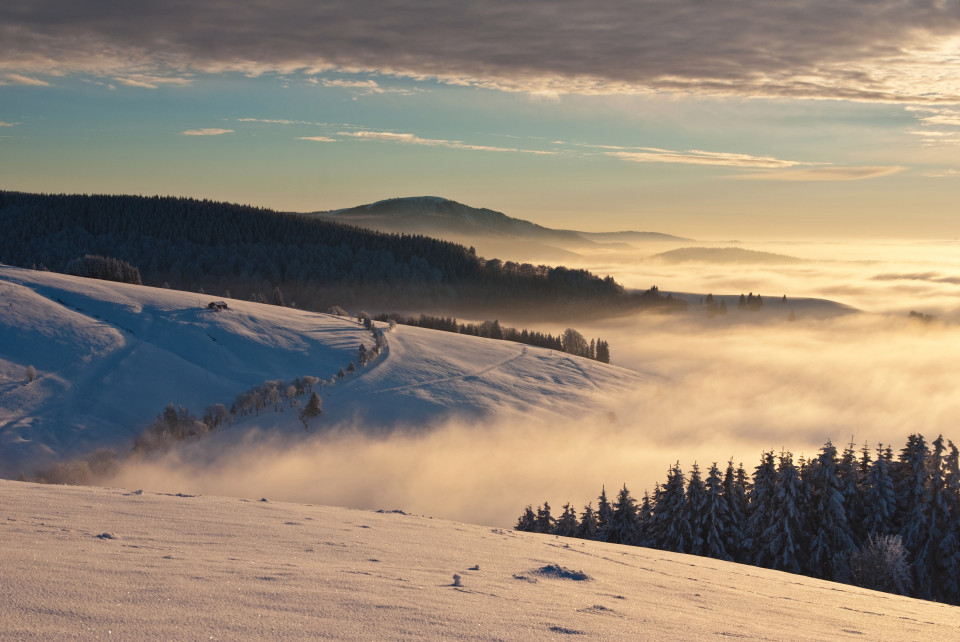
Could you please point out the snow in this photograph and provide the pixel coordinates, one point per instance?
(91, 563)
(111, 356)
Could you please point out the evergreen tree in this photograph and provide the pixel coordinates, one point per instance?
(880, 499)
(913, 507)
(644, 520)
(716, 517)
(948, 548)
(783, 539)
(543, 523)
(852, 490)
(603, 351)
(943, 545)
(695, 509)
(761, 509)
(670, 517)
(604, 517)
(623, 526)
(567, 524)
(735, 495)
(588, 523)
(831, 538)
(314, 408)
(527, 521)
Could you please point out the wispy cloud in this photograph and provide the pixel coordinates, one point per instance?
(275, 121)
(945, 173)
(370, 86)
(5, 124)
(412, 139)
(212, 131)
(318, 139)
(146, 81)
(898, 51)
(936, 116)
(18, 79)
(934, 277)
(824, 174)
(941, 118)
(698, 157)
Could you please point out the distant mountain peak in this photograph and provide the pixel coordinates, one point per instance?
(437, 207)
(415, 200)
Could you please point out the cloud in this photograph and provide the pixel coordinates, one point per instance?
(318, 139)
(4, 124)
(697, 157)
(933, 277)
(825, 174)
(412, 139)
(895, 51)
(146, 81)
(946, 173)
(275, 121)
(369, 86)
(207, 132)
(17, 79)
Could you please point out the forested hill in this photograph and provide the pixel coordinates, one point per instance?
(245, 252)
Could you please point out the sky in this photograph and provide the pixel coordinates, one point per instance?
(748, 119)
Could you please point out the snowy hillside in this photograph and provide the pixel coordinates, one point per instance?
(92, 563)
(109, 357)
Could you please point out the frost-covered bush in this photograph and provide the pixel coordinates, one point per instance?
(881, 564)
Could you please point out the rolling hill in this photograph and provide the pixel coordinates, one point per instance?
(110, 356)
(723, 255)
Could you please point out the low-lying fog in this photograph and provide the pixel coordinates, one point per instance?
(729, 386)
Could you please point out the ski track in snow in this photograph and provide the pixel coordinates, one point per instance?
(475, 374)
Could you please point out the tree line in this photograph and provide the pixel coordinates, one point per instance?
(870, 519)
(571, 341)
(254, 253)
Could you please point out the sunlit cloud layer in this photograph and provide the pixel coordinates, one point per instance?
(318, 139)
(888, 50)
(825, 174)
(274, 121)
(697, 157)
(411, 139)
(936, 116)
(212, 131)
(18, 79)
(146, 81)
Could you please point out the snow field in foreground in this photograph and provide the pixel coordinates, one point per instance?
(84, 563)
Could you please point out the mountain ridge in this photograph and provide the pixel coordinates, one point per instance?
(453, 221)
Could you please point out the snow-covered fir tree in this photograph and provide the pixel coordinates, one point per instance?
(831, 539)
(716, 520)
(695, 508)
(624, 528)
(783, 547)
(670, 517)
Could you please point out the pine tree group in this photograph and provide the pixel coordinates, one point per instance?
(871, 520)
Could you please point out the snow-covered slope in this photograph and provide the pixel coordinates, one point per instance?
(109, 357)
(94, 563)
